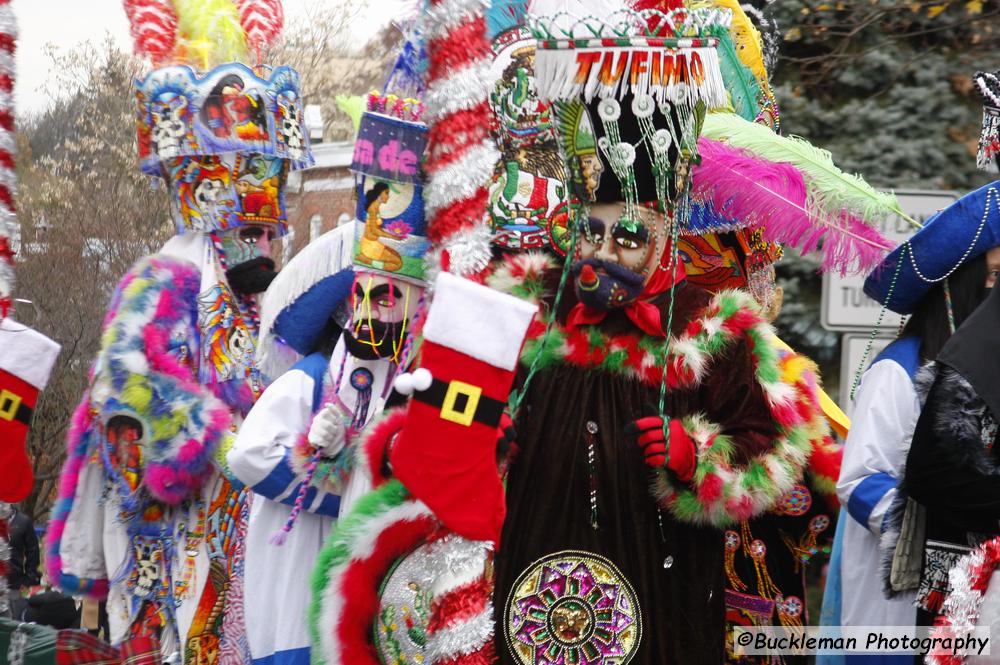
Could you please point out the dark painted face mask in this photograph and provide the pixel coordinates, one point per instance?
(253, 276)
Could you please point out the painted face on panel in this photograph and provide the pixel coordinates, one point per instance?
(382, 310)
(616, 255)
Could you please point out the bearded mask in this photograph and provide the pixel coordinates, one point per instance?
(619, 255)
(382, 309)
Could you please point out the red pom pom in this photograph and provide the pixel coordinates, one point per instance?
(262, 20)
(153, 26)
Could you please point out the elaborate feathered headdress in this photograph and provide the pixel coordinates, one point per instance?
(221, 133)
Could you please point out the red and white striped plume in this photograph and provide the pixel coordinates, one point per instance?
(460, 153)
(262, 21)
(8, 148)
(153, 24)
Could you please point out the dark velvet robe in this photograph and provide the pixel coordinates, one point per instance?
(953, 470)
(675, 568)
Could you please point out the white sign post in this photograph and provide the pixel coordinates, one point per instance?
(846, 308)
(845, 305)
(852, 350)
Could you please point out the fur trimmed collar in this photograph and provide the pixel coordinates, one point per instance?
(957, 413)
(728, 317)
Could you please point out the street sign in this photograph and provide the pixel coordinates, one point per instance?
(845, 306)
(852, 350)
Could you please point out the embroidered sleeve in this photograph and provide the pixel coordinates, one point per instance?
(757, 423)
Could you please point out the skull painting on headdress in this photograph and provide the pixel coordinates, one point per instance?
(228, 347)
(289, 119)
(146, 575)
(170, 121)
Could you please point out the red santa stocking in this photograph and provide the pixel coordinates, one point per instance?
(26, 359)
(445, 453)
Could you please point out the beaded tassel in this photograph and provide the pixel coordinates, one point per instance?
(281, 536)
(733, 542)
(592, 472)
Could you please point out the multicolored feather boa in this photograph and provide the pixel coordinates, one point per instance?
(144, 372)
(722, 491)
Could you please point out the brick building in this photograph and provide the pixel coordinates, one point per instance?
(322, 197)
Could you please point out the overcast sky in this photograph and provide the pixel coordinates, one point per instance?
(67, 23)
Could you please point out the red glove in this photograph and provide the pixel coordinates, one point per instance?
(648, 433)
(506, 438)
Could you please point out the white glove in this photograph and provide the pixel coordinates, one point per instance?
(327, 431)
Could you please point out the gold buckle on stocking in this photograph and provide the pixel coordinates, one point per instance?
(468, 413)
(9, 404)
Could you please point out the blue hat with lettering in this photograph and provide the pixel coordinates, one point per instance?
(964, 230)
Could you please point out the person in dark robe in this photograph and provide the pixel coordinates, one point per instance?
(612, 546)
(953, 466)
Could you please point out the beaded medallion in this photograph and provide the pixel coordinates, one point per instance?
(572, 607)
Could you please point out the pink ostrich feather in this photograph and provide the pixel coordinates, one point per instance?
(775, 197)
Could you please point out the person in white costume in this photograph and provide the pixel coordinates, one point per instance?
(297, 447)
(147, 515)
(888, 404)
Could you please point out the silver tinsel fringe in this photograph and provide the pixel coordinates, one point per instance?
(461, 90)
(450, 14)
(462, 639)
(460, 179)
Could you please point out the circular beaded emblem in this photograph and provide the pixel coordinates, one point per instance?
(819, 524)
(361, 379)
(795, 502)
(790, 606)
(572, 607)
(733, 541)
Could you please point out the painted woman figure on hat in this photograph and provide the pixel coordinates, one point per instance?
(147, 515)
(939, 277)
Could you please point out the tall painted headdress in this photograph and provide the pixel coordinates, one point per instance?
(391, 237)
(222, 134)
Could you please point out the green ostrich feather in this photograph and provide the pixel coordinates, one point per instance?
(744, 90)
(830, 189)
